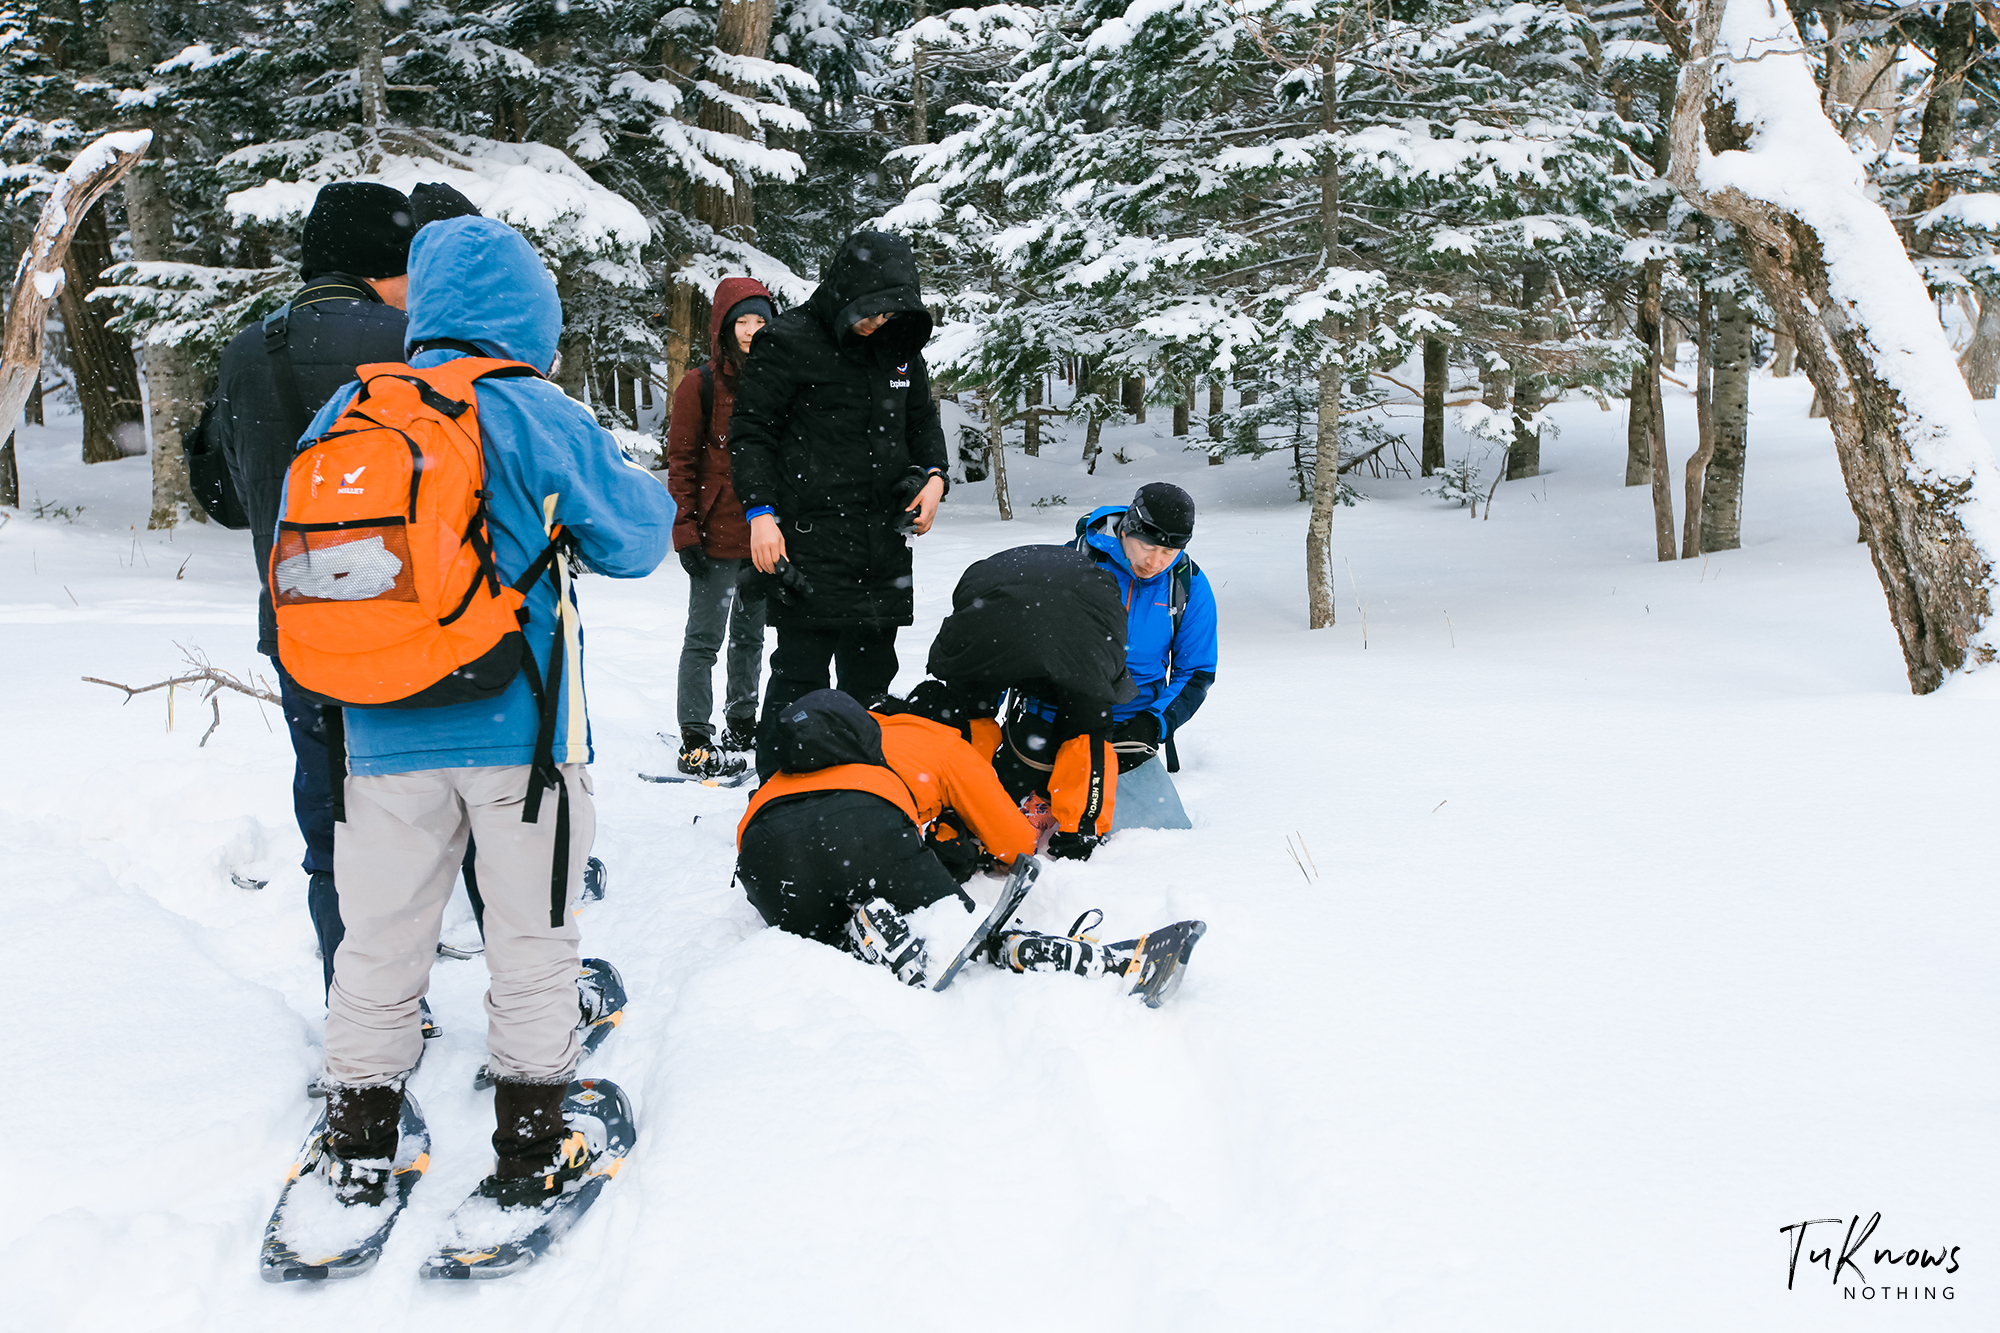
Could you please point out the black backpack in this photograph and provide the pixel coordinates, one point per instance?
(208, 475)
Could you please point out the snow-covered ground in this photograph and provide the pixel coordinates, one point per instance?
(1652, 914)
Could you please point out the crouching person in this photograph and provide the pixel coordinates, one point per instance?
(832, 846)
(505, 767)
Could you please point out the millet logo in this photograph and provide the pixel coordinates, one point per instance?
(1908, 1273)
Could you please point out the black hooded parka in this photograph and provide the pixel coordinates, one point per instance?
(828, 424)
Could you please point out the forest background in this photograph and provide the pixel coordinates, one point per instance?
(1262, 218)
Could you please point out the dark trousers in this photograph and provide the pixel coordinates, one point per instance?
(805, 660)
(312, 806)
(715, 608)
(808, 861)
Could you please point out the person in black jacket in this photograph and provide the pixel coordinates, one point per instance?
(275, 375)
(838, 456)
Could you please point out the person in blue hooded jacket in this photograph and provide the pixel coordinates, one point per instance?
(1170, 635)
(422, 781)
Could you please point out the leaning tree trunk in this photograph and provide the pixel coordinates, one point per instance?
(1326, 461)
(107, 378)
(1722, 486)
(39, 276)
(1749, 149)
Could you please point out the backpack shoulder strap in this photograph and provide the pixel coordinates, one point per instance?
(284, 377)
(1183, 588)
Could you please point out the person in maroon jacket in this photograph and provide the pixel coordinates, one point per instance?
(713, 539)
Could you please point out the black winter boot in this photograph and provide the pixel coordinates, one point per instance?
(738, 733)
(538, 1153)
(361, 1125)
(700, 757)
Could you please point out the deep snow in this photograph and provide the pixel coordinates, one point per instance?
(1653, 914)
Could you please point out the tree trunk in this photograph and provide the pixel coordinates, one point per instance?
(1496, 384)
(1860, 94)
(173, 398)
(996, 454)
(1524, 456)
(1092, 382)
(107, 378)
(370, 82)
(1645, 392)
(1663, 486)
(680, 335)
(1722, 488)
(1980, 362)
(1957, 45)
(1326, 463)
(920, 102)
(1436, 380)
(1918, 468)
(1783, 350)
(742, 28)
(39, 275)
(1133, 397)
(1031, 427)
(1184, 413)
(1704, 423)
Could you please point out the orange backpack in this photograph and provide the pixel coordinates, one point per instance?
(382, 577)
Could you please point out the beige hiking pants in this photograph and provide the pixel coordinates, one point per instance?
(395, 860)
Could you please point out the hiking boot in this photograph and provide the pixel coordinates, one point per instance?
(703, 758)
(1078, 952)
(877, 933)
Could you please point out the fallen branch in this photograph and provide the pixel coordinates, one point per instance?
(205, 673)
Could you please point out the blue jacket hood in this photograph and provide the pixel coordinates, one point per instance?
(480, 281)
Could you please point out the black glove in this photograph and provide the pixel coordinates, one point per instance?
(434, 203)
(784, 583)
(1135, 740)
(1073, 846)
(958, 854)
(695, 561)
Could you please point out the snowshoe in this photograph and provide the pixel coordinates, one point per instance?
(1019, 881)
(1160, 959)
(600, 995)
(312, 1236)
(505, 1225)
(594, 879)
(736, 780)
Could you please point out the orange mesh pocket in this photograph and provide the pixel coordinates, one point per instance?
(364, 560)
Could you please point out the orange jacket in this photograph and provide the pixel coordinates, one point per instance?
(932, 768)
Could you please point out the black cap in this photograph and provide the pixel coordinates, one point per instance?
(1162, 514)
(749, 305)
(357, 227)
(434, 202)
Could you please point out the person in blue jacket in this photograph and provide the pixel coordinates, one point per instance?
(1170, 614)
(422, 781)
